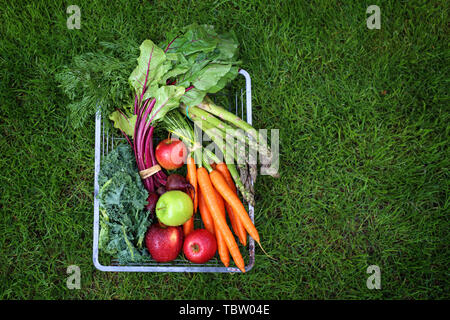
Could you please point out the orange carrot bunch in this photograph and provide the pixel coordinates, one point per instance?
(191, 177)
(215, 194)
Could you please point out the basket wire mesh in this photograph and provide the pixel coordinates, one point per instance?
(240, 104)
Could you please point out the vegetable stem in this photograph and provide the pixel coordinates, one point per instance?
(209, 106)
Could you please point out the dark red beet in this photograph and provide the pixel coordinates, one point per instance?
(151, 202)
(161, 190)
(177, 182)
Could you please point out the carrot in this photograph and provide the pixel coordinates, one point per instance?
(221, 245)
(188, 226)
(232, 218)
(192, 179)
(220, 202)
(207, 190)
(238, 208)
(236, 223)
(208, 222)
(222, 167)
(222, 248)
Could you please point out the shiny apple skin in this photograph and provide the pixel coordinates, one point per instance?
(200, 246)
(164, 243)
(171, 154)
(174, 208)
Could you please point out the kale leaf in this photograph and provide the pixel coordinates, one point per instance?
(122, 198)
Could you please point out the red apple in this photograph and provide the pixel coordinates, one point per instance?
(164, 243)
(200, 246)
(171, 154)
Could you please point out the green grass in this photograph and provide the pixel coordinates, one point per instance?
(363, 118)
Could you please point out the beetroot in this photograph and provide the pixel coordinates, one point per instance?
(178, 182)
(151, 202)
(161, 190)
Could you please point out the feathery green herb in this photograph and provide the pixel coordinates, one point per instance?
(98, 79)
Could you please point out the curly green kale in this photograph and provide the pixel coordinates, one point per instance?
(122, 198)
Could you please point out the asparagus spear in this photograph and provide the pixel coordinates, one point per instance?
(248, 196)
(216, 137)
(209, 106)
(176, 124)
(199, 114)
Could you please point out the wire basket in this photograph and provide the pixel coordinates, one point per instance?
(239, 103)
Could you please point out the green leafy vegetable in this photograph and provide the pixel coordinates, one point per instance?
(202, 60)
(122, 198)
(167, 98)
(98, 80)
(195, 62)
(153, 65)
(126, 124)
(158, 67)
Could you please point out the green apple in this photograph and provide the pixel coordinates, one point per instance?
(174, 208)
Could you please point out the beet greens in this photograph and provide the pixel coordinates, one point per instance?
(151, 103)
